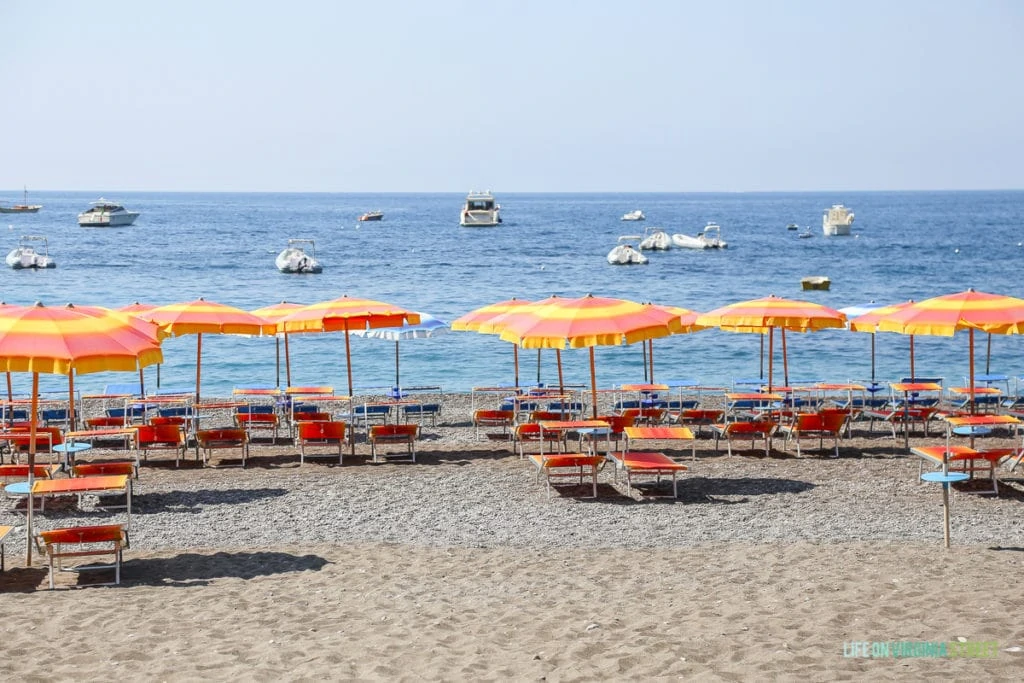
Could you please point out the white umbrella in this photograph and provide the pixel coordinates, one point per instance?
(428, 326)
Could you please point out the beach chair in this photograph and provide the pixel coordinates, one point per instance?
(84, 541)
(613, 434)
(531, 432)
(162, 437)
(820, 425)
(381, 435)
(699, 417)
(253, 422)
(46, 439)
(649, 464)
(568, 466)
(421, 410)
(752, 431)
(209, 440)
(494, 418)
(320, 433)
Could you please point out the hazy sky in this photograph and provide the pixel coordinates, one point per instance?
(548, 95)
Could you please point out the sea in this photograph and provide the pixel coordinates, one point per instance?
(221, 247)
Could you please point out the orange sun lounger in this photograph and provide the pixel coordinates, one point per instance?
(656, 465)
(84, 541)
(568, 466)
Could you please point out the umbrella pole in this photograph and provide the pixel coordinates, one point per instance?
(785, 360)
(988, 355)
(561, 383)
(397, 384)
(515, 361)
(287, 362)
(593, 384)
(945, 512)
(762, 357)
(71, 398)
(199, 361)
(771, 331)
(157, 375)
(971, 348)
(348, 368)
(912, 374)
(650, 357)
(10, 389)
(277, 362)
(643, 349)
(31, 465)
(142, 382)
(872, 357)
(538, 367)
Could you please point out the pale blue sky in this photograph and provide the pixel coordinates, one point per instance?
(549, 95)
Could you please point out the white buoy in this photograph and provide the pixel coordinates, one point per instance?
(956, 251)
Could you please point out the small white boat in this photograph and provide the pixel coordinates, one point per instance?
(624, 254)
(295, 259)
(709, 238)
(637, 215)
(27, 255)
(480, 210)
(806, 233)
(837, 221)
(105, 214)
(655, 239)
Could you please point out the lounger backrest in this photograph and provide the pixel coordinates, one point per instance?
(409, 431)
(493, 417)
(166, 434)
(315, 417)
(321, 430)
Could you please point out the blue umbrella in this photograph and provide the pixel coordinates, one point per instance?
(428, 326)
(857, 311)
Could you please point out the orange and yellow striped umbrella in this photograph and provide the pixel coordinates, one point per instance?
(476, 319)
(586, 322)
(274, 313)
(868, 322)
(969, 310)
(201, 317)
(61, 341)
(344, 314)
(770, 313)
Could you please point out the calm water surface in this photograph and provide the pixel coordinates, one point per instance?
(222, 247)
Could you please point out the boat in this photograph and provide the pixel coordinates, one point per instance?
(24, 207)
(104, 214)
(372, 216)
(709, 238)
(815, 282)
(655, 239)
(637, 215)
(27, 255)
(480, 211)
(806, 233)
(295, 259)
(837, 221)
(792, 226)
(624, 254)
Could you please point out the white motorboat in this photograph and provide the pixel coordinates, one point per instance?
(27, 255)
(295, 259)
(837, 221)
(806, 233)
(709, 238)
(655, 239)
(480, 210)
(103, 214)
(624, 254)
(637, 215)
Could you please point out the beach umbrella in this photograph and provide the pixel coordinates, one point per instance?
(135, 308)
(477, 318)
(346, 314)
(274, 313)
(201, 317)
(865, 319)
(429, 326)
(768, 314)
(586, 322)
(687, 322)
(62, 341)
(968, 310)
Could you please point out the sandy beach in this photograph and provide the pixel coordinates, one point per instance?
(461, 567)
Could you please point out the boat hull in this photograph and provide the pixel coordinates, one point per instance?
(625, 255)
(479, 219)
(107, 220)
(21, 209)
(23, 259)
(835, 230)
(656, 241)
(297, 261)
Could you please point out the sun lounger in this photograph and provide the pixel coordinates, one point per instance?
(320, 433)
(215, 439)
(163, 437)
(964, 459)
(749, 430)
(84, 541)
(381, 435)
(699, 417)
(656, 465)
(568, 466)
(494, 418)
(820, 425)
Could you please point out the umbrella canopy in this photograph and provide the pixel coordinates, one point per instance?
(428, 326)
(865, 319)
(61, 341)
(274, 313)
(346, 314)
(586, 322)
(475, 319)
(687, 322)
(969, 310)
(201, 317)
(770, 313)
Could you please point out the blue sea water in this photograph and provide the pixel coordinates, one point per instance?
(221, 247)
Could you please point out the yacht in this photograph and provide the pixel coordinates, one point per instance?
(106, 214)
(24, 207)
(480, 211)
(295, 259)
(837, 220)
(624, 254)
(372, 216)
(655, 239)
(637, 215)
(709, 238)
(27, 255)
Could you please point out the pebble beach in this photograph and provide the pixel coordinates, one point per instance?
(463, 565)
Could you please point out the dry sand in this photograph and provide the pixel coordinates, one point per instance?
(460, 567)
